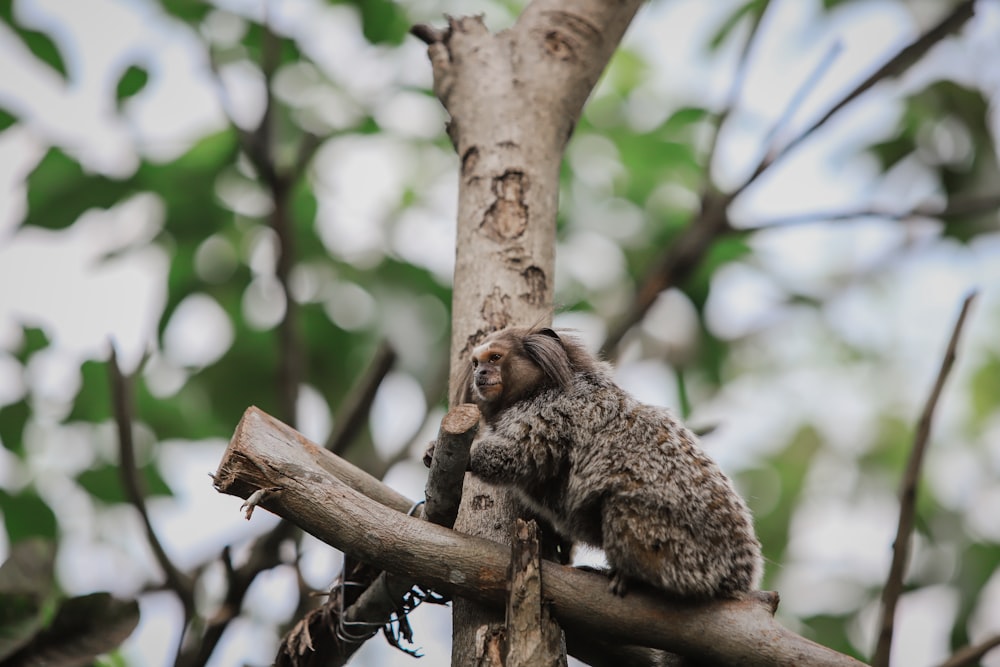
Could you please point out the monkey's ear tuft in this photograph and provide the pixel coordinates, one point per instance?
(463, 392)
(545, 348)
(546, 331)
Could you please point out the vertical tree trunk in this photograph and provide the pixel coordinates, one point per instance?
(514, 99)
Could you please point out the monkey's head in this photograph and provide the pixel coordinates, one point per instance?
(515, 364)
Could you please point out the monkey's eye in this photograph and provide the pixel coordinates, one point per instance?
(494, 357)
(475, 362)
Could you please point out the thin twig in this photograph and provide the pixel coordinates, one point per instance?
(121, 399)
(955, 208)
(802, 93)
(895, 66)
(908, 498)
(359, 400)
(972, 652)
(678, 262)
(264, 555)
(735, 88)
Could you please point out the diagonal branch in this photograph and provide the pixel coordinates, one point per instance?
(359, 400)
(305, 489)
(337, 633)
(972, 653)
(955, 208)
(735, 87)
(894, 67)
(124, 412)
(679, 261)
(908, 498)
(121, 394)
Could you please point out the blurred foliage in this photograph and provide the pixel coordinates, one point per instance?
(42, 627)
(214, 247)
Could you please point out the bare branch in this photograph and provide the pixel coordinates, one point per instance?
(355, 409)
(908, 498)
(677, 263)
(894, 67)
(121, 400)
(449, 462)
(802, 93)
(972, 652)
(735, 87)
(267, 454)
(954, 209)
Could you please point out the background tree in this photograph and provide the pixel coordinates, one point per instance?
(809, 253)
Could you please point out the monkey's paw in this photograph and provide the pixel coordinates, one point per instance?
(618, 586)
(429, 454)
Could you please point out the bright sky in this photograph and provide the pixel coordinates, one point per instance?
(54, 280)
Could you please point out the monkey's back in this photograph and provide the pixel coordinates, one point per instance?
(638, 484)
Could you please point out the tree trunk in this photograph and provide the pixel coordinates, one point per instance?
(514, 99)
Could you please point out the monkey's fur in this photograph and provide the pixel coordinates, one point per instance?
(607, 470)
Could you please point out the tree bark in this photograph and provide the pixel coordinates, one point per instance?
(514, 99)
(533, 637)
(296, 479)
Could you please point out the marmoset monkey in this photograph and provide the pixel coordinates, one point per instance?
(607, 470)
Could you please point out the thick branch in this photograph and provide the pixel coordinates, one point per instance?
(908, 499)
(449, 462)
(304, 488)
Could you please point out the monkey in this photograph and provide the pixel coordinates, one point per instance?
(607, 470)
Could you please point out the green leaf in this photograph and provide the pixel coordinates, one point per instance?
(724, 250)
(40, 44)
(754, 7)
(985, 390)
(383, 21)
(190, 11)
(26, 584)
(682, 119)
(187, 187)
(34, 340)
(13, 417)
(785, 477)
(7, 120)
(105, 484)
(132, 81)
(188, 414)
(93, 401)
(626, 71)
(303, 205)
(59, 191)
(253, 40)
(21, 617)
(26, 515)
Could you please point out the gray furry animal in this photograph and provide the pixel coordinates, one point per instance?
(607, 470)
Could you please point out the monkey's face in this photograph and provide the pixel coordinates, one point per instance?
(503, 372)
(487, 371)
